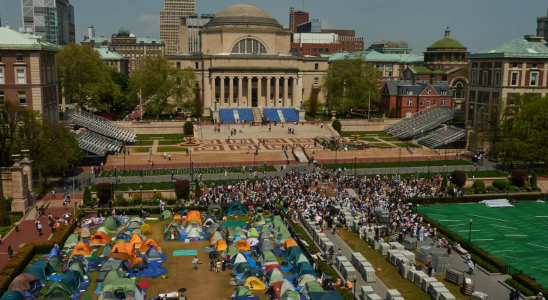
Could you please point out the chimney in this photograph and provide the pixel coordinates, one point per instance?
(432, 79)
(534, 39)
(414, 80)
(447, 33)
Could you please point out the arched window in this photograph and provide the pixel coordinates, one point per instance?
(249, 46)
(459, 90)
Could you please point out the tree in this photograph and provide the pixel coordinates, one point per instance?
(163, 85)
(393, 113)
(533, 180)
(52, 148)
(4, 215)
(122, 98)
(182, 188)
(336, 125)
(84, 77)
(458, 178)
(198, 191)
(444, 182)
(188, 128)
(349, 84)
(104, 192)
(87, 195)
(10, 121)
(478, 186)
(519, 177)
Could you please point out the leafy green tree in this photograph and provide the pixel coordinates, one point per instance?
(444, 182)
(198, 191)
(12, 118)
(123, 98)
(393, 113)
(163, 85)
(4, 214)
(84, 77)
(533, 180)
(336, 125)
(348, 84)
(87, 195)
(188, 128)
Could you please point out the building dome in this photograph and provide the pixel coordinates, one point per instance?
(447, 42)
(243, 14)
(123, 30)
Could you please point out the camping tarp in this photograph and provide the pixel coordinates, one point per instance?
(40, 269)
(58, 291)
(152, 254)
(145, 229)
(167, 214)
(112, 224)
(73, 279)
(99, 239)
(123, 251)
(235, 208)
(254, 284)
(23, 282)
(72, 240)
(193, 215)
(85, 232)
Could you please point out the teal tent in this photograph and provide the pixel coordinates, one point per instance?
(55, 261)
(274, 275)
(238, 231)
(235, 208)
(241, 268)
(112, 224)
(327, 295)
(12, 295)
(78, 267)
(215, 210)
(303, 268)
(113, 275)
(58, 291)
(73, 279)
(40, 269)
(167, 214)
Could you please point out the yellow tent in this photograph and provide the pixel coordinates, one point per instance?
(178, 218)
(145, 229)
(242, 246)
(220, 245)
(254, 284)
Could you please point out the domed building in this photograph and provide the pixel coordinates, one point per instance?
(245, 63)
(444, 60)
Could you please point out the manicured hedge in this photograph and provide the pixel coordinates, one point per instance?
(529, 283)
(470, 199)
(516, 285)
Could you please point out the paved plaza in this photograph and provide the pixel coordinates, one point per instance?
(246, 131)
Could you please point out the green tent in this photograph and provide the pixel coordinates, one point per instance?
(283, 235)
(112, 224)
(124, 284)
(176, 225)
(293, 252)
(235, 208)
(264, 229)
(113, 275)
(172, 234)
(215, 210)
(231, 250)
(216, 236)
(112, 263)
(303, 268)
(167, 214)
(193, 233)
(139, 231)
(267, 256)
(40, 269)
(79, 267)
(103, 229)
(12, 295)
(242, 291)
(291, 295)
(238, 231)
(298, 259)
(274, 275)
(327, 295)
(252, 273)
(277, 218)
(73, 279)
(242, 267)
(72, 240)
(253, 233)
(55, 260)
(58, 291)
(311, 286)
(258, 221)
(194, 223)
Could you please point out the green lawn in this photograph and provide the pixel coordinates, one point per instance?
(146, 186)
(13, 218)
(139, 150)
(476, 174)
(369, 139)
(175, 136)
(170, 142)
(364, 133)
(171, 149)
(404, 164)
(186, 171)
(380, 145)
(144, 143)
(390, 139)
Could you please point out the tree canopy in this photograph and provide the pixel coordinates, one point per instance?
(84, 77)
(349, 83)
(163, 85)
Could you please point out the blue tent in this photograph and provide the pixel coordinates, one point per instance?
(152, 254)
(54, 251)
(12, 295)
(327, 295)
(40, 269)
(235, 208)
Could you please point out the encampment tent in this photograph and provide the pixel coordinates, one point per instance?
(113, 275)
(172, 233)
(220, 245)
(123, 251)
(272, 266)
(149, 243)
(193, 233)
(79, 267)
(241, 291)
(325, 295)
(134, 224)
(283, 235)
(235, 208)
(112, 263)
(138, 263)
(73, 279)
(290, 243)
(25, 282)
(72, 240)
(152, 254)
(311, 286)
(293, 252)
(193, 215)
(82, 249)
(298, 259)
(303, 268)
(267, 257)
(177, 219)
(265, 235)
(122, 288)
(258, 221)
(252, 241)
(112, 224)
(99, 239)
(238, 258)
(238, 231)
(78, 258)
(277, 289)
(58, 291)
(136, 240)
(145, 229)
(193, 225)
(274, 275)
(242, 267)
(264, 245)
(40, 269)
(215, 237)
(85, 232)
(216, 227)
(254, 272)
(291, 295)
(215, 210)
(306, 278)
(242, 245)
(12, 295)
(167, 214)
(210, 220)
(253, 233)
(103, 229)
(254, 284)
(106, 249)
(55, 260)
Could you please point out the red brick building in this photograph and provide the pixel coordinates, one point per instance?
(408, 97)
(28, 73)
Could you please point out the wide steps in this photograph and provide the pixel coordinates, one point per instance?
(301, 157)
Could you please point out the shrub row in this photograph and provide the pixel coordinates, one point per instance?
(529, 283)
(484, 256)
(470, 199)
(487, 266)
(156, 210)
(516, 285)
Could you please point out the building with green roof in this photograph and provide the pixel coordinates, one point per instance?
(115, 59)
(28, 73)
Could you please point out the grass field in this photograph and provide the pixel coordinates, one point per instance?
(177, 136)
(517, 235)
(144, 143)
(404, 164)
(390, 139)
(364, 133)
(139, 150)
(171, 149)
(380, 145)
(169, 142)
(185, 171)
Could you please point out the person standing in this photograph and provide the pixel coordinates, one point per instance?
(512, 294)
(218, 266)
(195, 262)
(518, 294)
(10, 252)
(39, 227)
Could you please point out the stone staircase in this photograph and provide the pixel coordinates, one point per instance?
(257, 114)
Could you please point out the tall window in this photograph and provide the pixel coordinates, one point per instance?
(428, 103)
(19, 57)
(22, 98)
(474, 77)
(1, 97)
(249, 46)
(514, 78)
(443, 102)
(1, 76)
(534, 78)
(409, 102)
(20, 76)
(485, 78)
(497, 78)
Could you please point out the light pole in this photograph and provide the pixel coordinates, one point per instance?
(470, 235)
(508, 189)
(192, 170)
(115, 181)
(355, 163)
(413, 133)
(429, 167)
(189, 161)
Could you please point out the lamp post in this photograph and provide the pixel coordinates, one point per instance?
(429, 167)
(413, 133)
(190, 161)
(355, 163)
(470, 235)
(115, 181)
(192, 170)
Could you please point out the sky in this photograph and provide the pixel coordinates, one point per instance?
(477, 24)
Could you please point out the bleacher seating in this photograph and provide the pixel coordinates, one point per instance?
(424, 121)
(271, 114)
(96, 143)
(227, 115)
(246, 114)
(99, 125)
(442, 136)
(290, 114)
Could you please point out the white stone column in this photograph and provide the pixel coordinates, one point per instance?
(240, 88)
(231, 91)
(213, 91)
(259, 92)
(300, 90)
(249, 91)
(294, 98)
(222, 94)
(277, 92)
(286, 91)
(268, 91)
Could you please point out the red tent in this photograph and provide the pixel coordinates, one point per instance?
(272, 266)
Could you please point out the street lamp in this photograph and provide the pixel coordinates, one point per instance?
(189, 161)
(115, 181)
(470, 235)
(192, 170)
(355, 163)
(413, 133)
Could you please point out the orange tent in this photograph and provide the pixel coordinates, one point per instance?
(135, 261)
(242, 245)
(147, 245)
(136, 240)
(290, 243)
(178, 218)
(82, 248)
(123, 251)
(99, 239)
(194, 215)
(220, 245)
